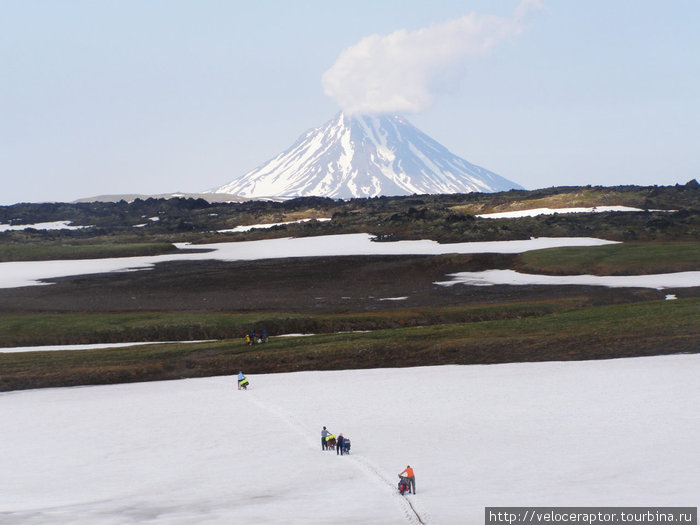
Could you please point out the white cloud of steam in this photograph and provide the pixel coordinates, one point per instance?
(395, 73)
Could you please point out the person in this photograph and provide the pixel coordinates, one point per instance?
(264, 336)
(324, 435)
(339, 445)
(247, 339)
(241, 378)
(410, 477)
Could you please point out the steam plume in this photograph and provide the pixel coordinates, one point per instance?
(396, 73)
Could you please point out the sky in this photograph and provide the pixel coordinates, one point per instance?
(115, 97)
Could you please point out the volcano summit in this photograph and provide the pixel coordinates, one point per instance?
(365, 156)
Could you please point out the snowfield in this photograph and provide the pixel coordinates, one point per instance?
(31, 273)
(198, 451)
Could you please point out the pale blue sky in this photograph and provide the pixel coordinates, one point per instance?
(124, 96)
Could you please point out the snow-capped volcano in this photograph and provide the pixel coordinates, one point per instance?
(365, 156)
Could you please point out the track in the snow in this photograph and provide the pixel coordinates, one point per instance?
(360, 462)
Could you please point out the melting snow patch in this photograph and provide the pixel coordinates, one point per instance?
(53, 348)
(393, 298)
(671, 297)
(239, 229)
(494, 277)
(552, 211)
(56, 225)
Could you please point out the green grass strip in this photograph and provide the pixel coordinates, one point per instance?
(84, 328)
(614, 259)
(45, 252)
(653, 328)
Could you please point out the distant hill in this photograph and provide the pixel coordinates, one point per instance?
(129, 197)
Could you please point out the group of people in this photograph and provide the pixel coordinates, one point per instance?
(254, 337)
(330, 441)
(407, 478)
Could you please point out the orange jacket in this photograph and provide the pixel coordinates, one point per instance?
(409, 472)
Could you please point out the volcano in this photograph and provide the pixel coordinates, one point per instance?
(365, 156)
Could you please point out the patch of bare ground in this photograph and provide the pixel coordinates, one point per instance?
(311, 285)
(334, 285)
